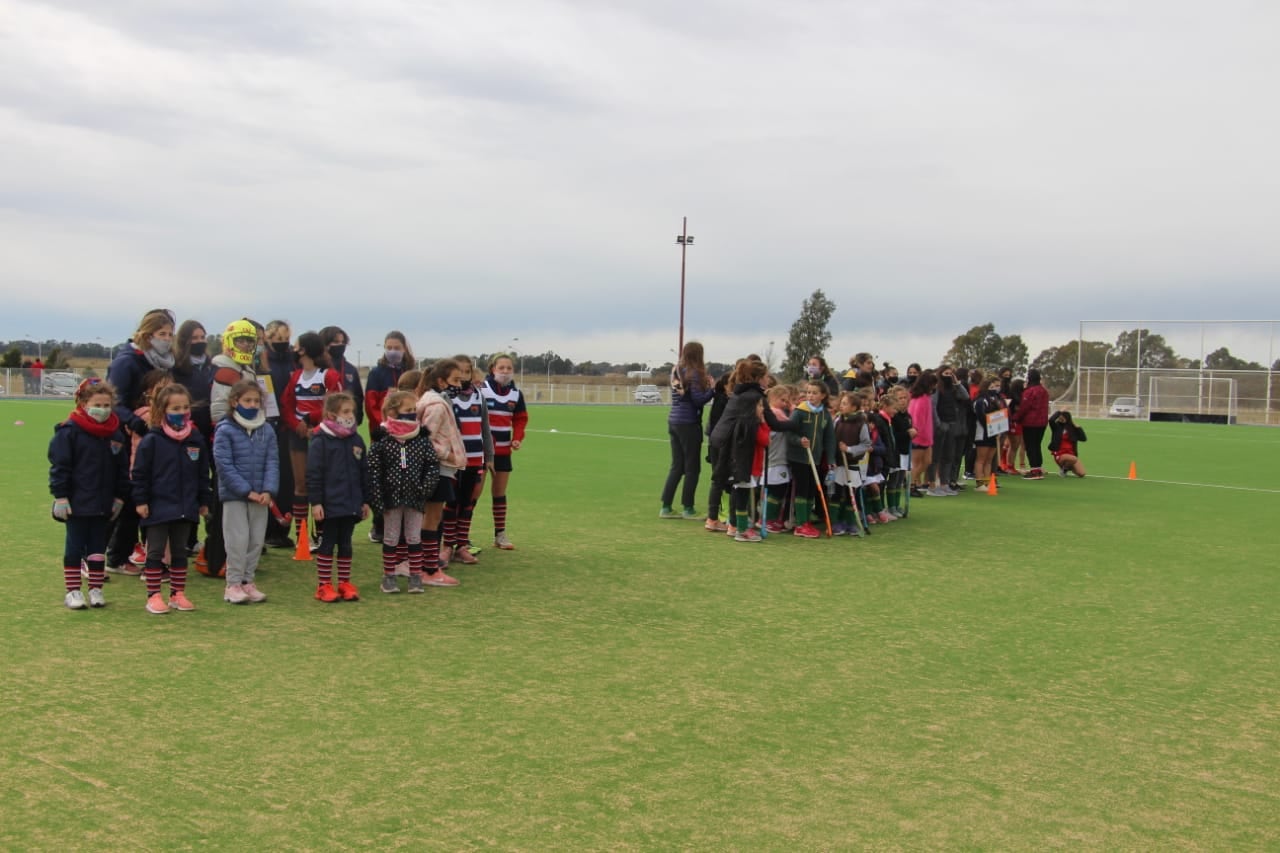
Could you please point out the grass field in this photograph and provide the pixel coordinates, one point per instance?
(1074, 663)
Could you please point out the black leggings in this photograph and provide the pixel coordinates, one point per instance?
(337, 534)
(686, 462)
(1033, 438)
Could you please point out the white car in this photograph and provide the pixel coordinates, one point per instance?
(59, 384)
(648, 394)
(1126, 407)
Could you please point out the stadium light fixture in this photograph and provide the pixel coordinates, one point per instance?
(684, 241)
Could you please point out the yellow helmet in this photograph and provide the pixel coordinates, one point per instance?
(239, 330)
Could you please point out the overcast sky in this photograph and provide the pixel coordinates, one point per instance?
(474, 172)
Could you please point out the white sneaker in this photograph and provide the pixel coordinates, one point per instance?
(96, 598)
(75, 600)
(251, 591)
(234, 594)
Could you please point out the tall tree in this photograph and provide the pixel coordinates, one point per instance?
(809, 335)
(1155, 351)
(1057, 365)
(981, 347)
(1222, 359)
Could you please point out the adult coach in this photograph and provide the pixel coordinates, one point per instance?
(691, 390)
(1032, 415)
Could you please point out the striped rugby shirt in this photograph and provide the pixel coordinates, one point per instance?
(507, 414)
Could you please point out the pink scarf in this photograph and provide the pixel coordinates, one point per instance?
(336, 429)
(402, 431)
(177, 434)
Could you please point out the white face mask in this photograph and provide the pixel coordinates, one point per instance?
(346, 423)
(504, 378)
(99, 413)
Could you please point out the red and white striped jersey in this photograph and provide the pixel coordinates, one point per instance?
(507, 414)
(468, 411)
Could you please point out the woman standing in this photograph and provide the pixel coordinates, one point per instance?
(691, 390)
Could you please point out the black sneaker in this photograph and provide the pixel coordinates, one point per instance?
(415, 584)
(391, 587)
(280, 540)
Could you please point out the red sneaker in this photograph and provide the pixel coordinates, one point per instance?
(326, 593)
(808, 531)
(348, 591)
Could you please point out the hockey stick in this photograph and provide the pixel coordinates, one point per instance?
(822, 492)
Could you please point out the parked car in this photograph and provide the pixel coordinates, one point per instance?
(59, 384)
(1126, 407)
(648, 394)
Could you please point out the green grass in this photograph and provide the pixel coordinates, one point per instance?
(1068, 664)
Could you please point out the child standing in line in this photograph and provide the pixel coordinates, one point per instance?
(89, 480)
(403, 473)
(247, 461)
(303, 410)
(508, 418)
(853, 440)
(777, 475)
(172, 491)
(125, 554)
(814, 439)
(438, 386)
(396, 359)
(920, 408)
(337, 487)
(470, 412)
(876, 468)
(988, 401)
(881, 420)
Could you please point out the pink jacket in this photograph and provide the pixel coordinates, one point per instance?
(921, 411)
(436, 414)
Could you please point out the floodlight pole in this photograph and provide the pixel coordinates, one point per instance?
(684, 241)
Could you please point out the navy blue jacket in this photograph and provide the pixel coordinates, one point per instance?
(337, 474)
(687, 403)
(198, 380)
(245, 461)
(125, 374)
(171, 477)
(351, 384)
(90, 472)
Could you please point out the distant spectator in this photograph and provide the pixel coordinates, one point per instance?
(1033, 416)
(1065, 437)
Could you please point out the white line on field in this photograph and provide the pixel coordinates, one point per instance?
(1198, 485)
(599, 435)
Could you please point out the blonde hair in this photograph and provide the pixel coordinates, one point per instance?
(395, 400)
(334, 402)
(152, 322)
(161, 401)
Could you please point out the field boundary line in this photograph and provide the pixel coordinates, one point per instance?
(598, 435)
(1198, 485)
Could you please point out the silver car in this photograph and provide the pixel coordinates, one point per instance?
(648, 394)
(59, 384)
(1126, 407)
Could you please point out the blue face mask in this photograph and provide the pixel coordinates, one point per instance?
(176, 420)
(247, 413)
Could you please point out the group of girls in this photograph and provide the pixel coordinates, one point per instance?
(144, 450)
(839, 451)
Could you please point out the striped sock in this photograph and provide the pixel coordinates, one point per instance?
(177, 577)
(152, 572)
(450, 526)
(71, 576)
(389, 559)
(299, 518)
(97, 570)
(499, 514)
(431, 551)
(344, 570)
(324, 569)
(464, 523)
(415, 558)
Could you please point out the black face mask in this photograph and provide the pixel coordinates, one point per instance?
(280, 347)
(452, 391)
(337, 351)
(199, 349)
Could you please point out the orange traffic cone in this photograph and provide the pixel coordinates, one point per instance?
(1133, 470)
(992, 488)
(302, 553)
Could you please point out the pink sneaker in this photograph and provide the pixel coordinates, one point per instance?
(808, 531)
(714, 526)
(885, 517)
(179, 601)
(255, 595)
(156, 604)
(235, 594)
(441, 579)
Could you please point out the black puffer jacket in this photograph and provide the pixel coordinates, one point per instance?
(402, 474)
(337, 473)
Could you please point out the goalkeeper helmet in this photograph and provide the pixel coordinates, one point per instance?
(237, 332)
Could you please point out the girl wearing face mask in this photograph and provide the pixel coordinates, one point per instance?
(193, 369)
(816, 370)
(335, 344)
(508, 418)
(472, 415)
(403, 472)
(383, 378)
(436, 390)
(89, 479)
(171, 491)
(151, 348)
(248, 469)
(302, 412)
(337, 489)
